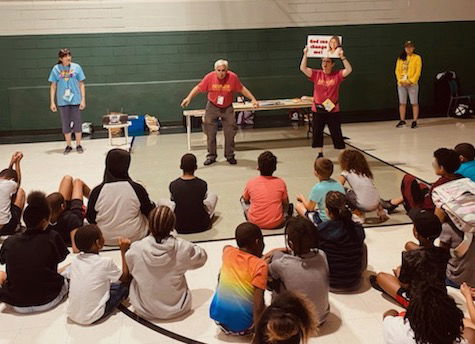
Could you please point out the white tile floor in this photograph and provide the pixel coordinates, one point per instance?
(354, 318)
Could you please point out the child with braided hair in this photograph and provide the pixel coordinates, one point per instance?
(432, 315)
(158, 264)
(301, 267)
(288, 320)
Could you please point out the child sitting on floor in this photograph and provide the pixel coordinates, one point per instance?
(95, 290)
(158, 264)
(67, 208)
(432, 316)
(290, 319)
(342, 240)
(302, 268)
(190, 200)
(239, 298)
(461, 268)
(427, 228)
(363, 195)
(265, 201)
(419, 195)
(466, 153)
(32, 282)
(323, 169)
(12, 196)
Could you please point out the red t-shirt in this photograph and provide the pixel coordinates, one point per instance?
(266, 195)
(220, 91)
(326, 86)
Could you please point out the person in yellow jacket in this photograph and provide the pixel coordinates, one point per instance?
(408, 70)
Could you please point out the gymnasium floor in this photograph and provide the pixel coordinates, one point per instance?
(354, 318)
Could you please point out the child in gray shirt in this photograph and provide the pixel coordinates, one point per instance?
(302, 267)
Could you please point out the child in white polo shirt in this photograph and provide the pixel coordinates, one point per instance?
(95, 289)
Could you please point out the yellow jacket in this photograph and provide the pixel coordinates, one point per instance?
(411, 68)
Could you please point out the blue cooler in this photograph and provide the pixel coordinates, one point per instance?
(138, 124)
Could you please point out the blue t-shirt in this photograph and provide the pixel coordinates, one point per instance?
(319, 192)
(67, 77)
(467, 169)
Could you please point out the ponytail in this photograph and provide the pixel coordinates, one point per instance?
(337, 204)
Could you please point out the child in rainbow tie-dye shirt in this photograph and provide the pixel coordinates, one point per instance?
(239, 297)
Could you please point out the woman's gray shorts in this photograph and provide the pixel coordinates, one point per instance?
(404, 91)
(70, 114)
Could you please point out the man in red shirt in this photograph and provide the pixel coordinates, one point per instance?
(326, 107)
(221, 84)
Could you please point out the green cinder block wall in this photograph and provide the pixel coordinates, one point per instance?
(152, 72)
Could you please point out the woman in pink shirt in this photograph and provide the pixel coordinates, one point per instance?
(326, 107)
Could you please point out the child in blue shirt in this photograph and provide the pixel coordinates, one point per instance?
(467, 162)
(323, 169)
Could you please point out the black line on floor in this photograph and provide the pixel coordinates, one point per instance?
(204, 241)
(157, 328)
(385, 162)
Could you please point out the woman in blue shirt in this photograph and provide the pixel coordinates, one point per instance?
(67, 84)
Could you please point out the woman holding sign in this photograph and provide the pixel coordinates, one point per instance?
(326, 107)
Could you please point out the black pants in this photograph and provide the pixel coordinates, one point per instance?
(334, 124)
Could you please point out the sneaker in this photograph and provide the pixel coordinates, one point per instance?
(232, 161)
(79, 149)
(67, 150)
(320, 155)
(414, 124)
(209, 161)
(358, 219)
(400, 124)
(388, 206)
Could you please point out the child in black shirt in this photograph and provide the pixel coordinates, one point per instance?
(427, 228)
(67, 208)
(32, 282)
(192, 203)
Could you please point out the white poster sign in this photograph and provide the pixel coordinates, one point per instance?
(324, 46)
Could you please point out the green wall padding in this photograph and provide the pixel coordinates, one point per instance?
(152, 72)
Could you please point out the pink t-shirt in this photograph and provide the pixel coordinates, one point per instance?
(326, 86)
(266, 195)
(217, 88)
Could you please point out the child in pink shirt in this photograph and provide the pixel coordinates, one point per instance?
(265, 200)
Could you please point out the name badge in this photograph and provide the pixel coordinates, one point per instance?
(220, 100)
(328, 105)
(68, 95)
